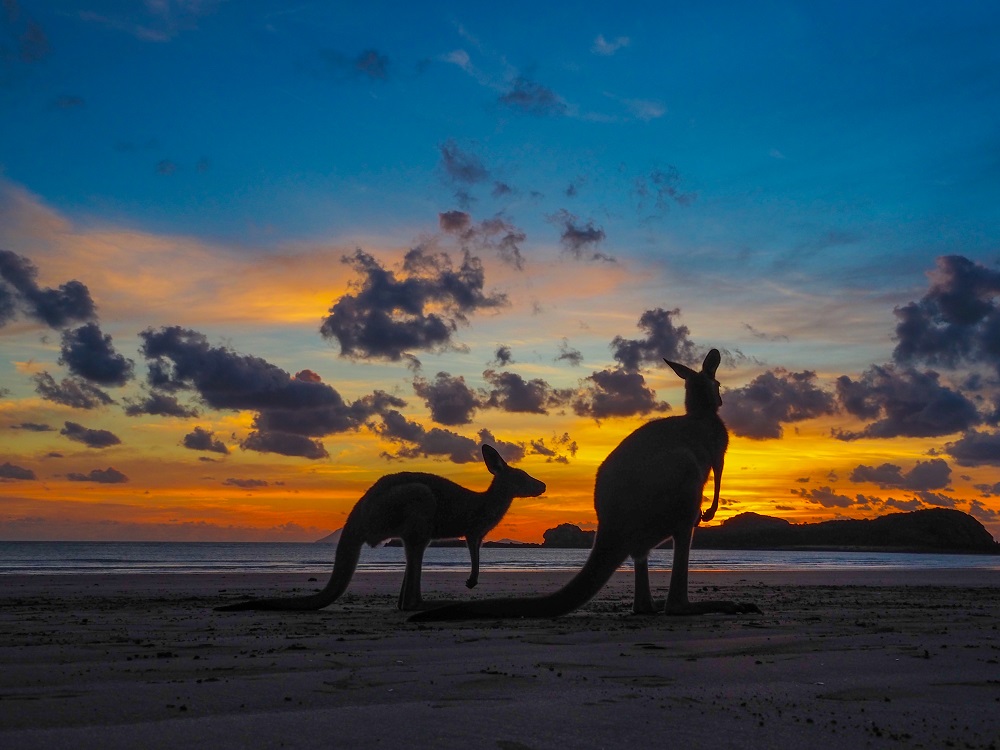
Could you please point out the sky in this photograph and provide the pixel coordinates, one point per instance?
(255, 255)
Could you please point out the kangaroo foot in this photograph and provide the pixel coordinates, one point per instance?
(471, 583)
(709, 607)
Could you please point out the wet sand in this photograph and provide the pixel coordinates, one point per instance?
(836, 660)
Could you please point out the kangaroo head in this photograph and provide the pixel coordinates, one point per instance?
(701, 389)
(520, 483)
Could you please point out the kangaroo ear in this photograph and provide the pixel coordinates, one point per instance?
(711, 363)
(683, 371)
(493, 461)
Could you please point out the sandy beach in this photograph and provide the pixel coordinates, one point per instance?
(862, 659)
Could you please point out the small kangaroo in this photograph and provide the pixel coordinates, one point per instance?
(648, 489)
(417, 508)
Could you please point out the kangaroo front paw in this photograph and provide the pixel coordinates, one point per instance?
(471, 583)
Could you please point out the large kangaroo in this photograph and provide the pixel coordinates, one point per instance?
(417, 508)
(648, 489)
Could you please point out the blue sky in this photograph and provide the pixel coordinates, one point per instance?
(779, 177)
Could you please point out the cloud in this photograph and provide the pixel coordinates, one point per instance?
(33, 427)
(449, 399)
(10, 471)
(109, 475)
(284, 444)
(663, 187)
(512, 393)
(91, 355)
(247, 484)
(531, 97)
(369, 64)
(159, 405)
(386, 317)
(758, 409)
(904, 403)
(19, 292)
(957, 320)
(664, 340)
(462, 166)
(90, 438)
(825, 497)
(416, 441)
(605, 48)
(578, 240)
(616, 393)
(502, 356)
(976, 448)
(555, 454)
(73, 392)
(569, 354)
(925, 475)
(495, 235)
(200, 439)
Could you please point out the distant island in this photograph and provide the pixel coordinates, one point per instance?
(931, 530)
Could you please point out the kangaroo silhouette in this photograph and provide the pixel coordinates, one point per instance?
(648, 489)
(417, 508)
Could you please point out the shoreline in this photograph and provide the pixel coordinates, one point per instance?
(855, 658)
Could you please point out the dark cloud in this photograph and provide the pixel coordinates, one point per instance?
(200, 439)
(247, 484)
(416, 441)
(568, 354)
(976, 448)
(90, 354)
(90, 438)
(73, 392)
(663, 188)
(19, 292)
(664, 340)
(904, 403)
(159, 405)
(387, 317)
(616, 393)
(924, 476)
(166, 167)
(462, 166)
(533, 98)
(982, 513)
(824, 496)
(450, 400)
(579, 240)
(512, 393)
(33, 427)
(502, 356)
(10, 471)
(957, 320)
(758, 409)
(284, 444)
(559, 449)
(495, 235)
(109, 475)
(369, 64)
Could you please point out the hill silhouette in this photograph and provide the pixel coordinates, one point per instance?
(932, 530)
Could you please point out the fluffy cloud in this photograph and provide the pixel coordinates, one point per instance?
(824, 496)
(450, 400)
(579, 240)
(462, 166)
(904, 403)
(90, 438)
(976, 448)
(90, 354)
(73, 392)
(387, 317)
(284, 444)
(957, 320)
(663, 188)
(495, 235)
(19, 292)
(924, 476)
(758, 409)
(109, 475)
(664, 340)
(200, 439)
(511, 392)
(247, 484)
(616, 393)
(159, 405)
(10, 471)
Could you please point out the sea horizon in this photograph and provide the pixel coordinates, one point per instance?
(88, 557)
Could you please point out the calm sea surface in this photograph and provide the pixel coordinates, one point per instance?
(257, 557)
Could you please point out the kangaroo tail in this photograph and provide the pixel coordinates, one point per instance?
(344, 565)
(600, 565)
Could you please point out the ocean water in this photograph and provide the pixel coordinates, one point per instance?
(261, 557)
